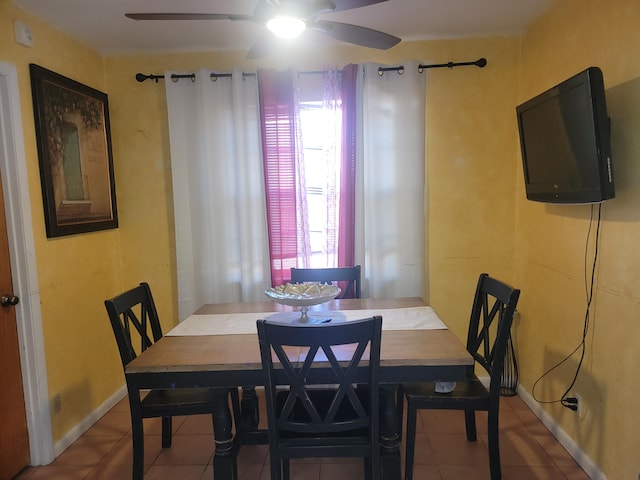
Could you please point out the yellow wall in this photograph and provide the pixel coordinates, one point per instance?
(470, 169)
(478, 217)
(551, 242)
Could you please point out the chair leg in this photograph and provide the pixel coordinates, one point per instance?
(368, 469)
(286, 471)
(137, 437)
(412, 414)
(400, 405)
(470, 425)
(166, 432)
(494, 444)
(275, 464)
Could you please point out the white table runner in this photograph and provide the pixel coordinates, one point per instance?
(421, 318)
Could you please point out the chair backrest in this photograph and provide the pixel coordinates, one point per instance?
(492, 314)
(134, 319)
(347, 278)
(342, 346)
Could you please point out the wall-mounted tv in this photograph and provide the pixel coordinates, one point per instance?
(565, 142)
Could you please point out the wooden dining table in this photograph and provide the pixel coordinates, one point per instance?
(227, 358)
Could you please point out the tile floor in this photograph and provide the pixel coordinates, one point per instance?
(529, 452)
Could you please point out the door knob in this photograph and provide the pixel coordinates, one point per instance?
(8, 300)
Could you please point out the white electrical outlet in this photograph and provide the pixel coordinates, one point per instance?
(56, 403)
(576, 405)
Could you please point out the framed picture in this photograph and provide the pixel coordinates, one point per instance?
(74, 151)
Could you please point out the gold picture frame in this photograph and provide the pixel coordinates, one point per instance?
(74, 152)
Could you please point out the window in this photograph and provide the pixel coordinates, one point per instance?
(321, 163)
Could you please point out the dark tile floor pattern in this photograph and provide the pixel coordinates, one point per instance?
(529, 451)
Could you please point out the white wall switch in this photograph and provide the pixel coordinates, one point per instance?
(24, 36)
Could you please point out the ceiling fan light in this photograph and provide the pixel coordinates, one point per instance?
(286, 27)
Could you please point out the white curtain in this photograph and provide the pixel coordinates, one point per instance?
(332, 109)
(391, 186)
(218, 190)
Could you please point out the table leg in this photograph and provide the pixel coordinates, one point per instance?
(225, 466)
(389, 433)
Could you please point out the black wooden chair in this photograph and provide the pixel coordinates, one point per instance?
(133, 314)
(347, 278)
(335, 420)
(492, 313)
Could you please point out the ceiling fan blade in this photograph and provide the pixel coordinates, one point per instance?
(187, 16)
(355, 34)
(351, 4)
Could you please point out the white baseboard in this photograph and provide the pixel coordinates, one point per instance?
(565, 440)
(77, 431)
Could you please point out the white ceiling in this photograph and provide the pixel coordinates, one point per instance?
(102, 25)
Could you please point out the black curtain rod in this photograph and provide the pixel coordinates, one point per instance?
(141, 77)
(481, 62)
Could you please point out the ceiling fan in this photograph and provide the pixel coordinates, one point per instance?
(302, 14)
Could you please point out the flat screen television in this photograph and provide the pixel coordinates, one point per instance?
(565, 142)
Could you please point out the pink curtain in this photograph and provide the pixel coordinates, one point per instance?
(287, 213)
(284, 173)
